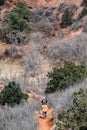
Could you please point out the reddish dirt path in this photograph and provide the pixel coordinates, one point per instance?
(73, 33)
(43, 124)
(46, 124)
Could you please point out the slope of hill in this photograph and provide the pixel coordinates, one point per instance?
(47, 46)
(38, 3)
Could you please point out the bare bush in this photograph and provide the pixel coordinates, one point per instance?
(18, 38)
(11, 51)
(2, 119)
(35, 84)
(73, 49)
(20, 117)
(75, 26)
(30, 59)
(61, 100)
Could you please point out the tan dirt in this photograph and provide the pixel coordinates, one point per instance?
(72, 34)
(38, 3)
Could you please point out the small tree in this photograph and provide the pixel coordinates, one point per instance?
(61, 78)
(83, 13)
(76, 116)
(66, 18)
(12, 94)
(20, 20)
(2, 2)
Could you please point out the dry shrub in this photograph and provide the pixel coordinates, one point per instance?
(73, 49)
(18, 118)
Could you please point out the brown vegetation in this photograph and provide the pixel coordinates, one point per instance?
(28, 64)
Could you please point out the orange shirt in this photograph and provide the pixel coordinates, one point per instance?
(44, 108)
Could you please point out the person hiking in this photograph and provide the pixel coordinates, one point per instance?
(44, 108)
(44, 101)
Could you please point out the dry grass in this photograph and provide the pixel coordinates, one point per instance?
(10, 69)
(18, 118)
(72, 49)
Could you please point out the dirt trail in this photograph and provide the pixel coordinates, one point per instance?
(33, 97)
(73, 33)
(43, 124)
(46, 124)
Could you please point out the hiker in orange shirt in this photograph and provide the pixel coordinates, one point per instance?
(44, 108)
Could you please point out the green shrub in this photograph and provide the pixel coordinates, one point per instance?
(2, 2)
(84, 12)
(12, 94)
(19, 19)
(61, 78)
(76, 116)
(66, 18)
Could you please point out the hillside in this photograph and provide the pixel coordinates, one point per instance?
(38, 3)
(37, 36)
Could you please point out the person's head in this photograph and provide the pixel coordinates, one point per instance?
(44, 100)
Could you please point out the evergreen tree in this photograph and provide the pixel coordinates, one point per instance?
(76, 116)
(61, 78)
(19, 18)
(2, 2)
(19, 21)
(66, 18)
(84, 12)
(12, 94)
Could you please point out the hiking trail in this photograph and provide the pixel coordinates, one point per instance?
(46, 124)
(42, 124)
